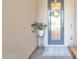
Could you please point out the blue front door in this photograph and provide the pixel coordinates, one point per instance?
(55, 22)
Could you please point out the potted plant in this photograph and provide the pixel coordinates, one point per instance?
(40, 28)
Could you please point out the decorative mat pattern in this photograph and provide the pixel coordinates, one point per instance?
(56, 51)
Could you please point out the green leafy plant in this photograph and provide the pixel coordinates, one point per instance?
(39, 26)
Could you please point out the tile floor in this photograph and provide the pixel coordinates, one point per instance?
(42, 53)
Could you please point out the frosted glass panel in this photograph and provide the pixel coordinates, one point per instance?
(55, 22)
(55, 27)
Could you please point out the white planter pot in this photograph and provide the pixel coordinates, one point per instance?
(40, 38)
(40, 33)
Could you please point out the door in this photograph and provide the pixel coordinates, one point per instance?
(55, 22)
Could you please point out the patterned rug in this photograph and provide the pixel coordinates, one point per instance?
(56, 51)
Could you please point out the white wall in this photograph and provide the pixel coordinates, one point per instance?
(75, 23)
(69, 18)
(18, 39)
(69, 10)
(42, 15)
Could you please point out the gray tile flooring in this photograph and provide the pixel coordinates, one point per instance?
(38, 54)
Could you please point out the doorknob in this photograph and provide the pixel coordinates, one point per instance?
(71, 38)
(70, 25)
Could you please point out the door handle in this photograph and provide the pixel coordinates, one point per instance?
(71, 38)
(70, 25)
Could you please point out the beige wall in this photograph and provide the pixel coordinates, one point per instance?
(18, 39)
(69, 18)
